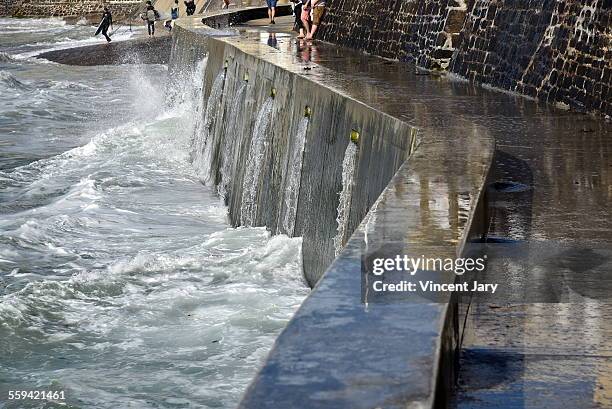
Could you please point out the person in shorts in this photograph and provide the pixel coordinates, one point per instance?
(271, 10)
(318, 11)
(305, 17)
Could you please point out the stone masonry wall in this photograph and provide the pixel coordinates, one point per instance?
(63, 8)
(559, 51)
(421, 31)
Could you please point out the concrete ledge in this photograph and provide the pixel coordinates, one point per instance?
(232, 17)
(142, 51)
(337, 352)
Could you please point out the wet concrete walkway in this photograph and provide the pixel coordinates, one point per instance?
(545, 341)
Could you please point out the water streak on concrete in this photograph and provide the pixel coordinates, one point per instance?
(256, 161)
(294, 173)
(344, 204)
(228, 141)
(203, 142)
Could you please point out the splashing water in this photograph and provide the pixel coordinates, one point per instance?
(8, 81)
(256, 158)
(294, 173)
(177, 94)
(344, 205)
(121, 282)
(203, 138)
(228, 142)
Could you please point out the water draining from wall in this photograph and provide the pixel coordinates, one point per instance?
(294, 173)
(255, 162)
(348, 180)
(230, 137)
(173, 96)
(202, 141)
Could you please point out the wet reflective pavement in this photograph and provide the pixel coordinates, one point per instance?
(553, 171)
(551, 182)
(519, 355)
(554, 349)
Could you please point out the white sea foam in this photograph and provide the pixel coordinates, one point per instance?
(118, 270)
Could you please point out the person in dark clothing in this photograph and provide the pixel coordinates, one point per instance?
(149, 16)
(105, 23)
(298, 25)
(190, 7)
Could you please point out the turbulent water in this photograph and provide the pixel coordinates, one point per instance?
(121, 282)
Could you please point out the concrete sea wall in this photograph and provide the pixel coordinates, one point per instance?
(415, 178)
(334, 116)
(142, 51)
(557, 51)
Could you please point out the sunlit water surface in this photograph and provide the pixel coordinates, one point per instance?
(121, 282)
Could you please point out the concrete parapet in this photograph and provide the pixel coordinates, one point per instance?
(338, 352)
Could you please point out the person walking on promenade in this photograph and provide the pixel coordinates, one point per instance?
(306, 16)
(271, 10)
(105, 23)
(174, 14)
(150, 15)
(174, 10)
(318, 11)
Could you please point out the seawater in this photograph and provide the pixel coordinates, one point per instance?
(121, 282)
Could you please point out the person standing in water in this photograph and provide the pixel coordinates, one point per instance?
(105, 23)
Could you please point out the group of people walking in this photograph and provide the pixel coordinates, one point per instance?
(151, 15)
(308, 16)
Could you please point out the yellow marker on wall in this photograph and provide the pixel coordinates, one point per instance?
(307, 111)
(355, 137)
